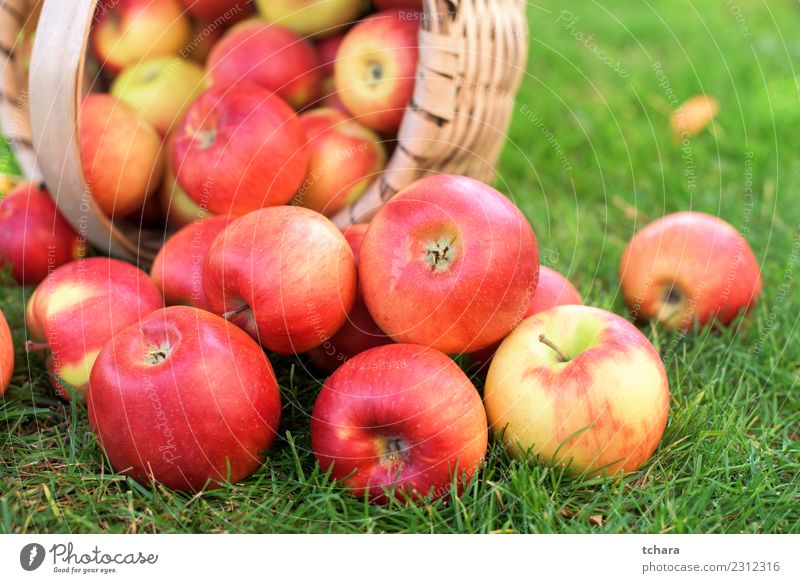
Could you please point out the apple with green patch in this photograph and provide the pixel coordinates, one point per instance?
(578, 387)
(81, 306)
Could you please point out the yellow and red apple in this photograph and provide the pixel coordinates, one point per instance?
(318, 18)
(689, 269)
(345, 157)
(580, 388)
(78, 308)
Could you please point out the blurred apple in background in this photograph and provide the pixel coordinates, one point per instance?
(448, 262)
(178, 268)
(186, 399)
(6, 355)
(292, 289)
(270, 56)
(121, 154)
(400, 417)
(160, 90)
(317, 18)
(578, 387)
(360, 332)
(240, 149)
(128, 31)
(34, 238)
(689, 269)
(376, 69)
(79, 307)
(345, 157)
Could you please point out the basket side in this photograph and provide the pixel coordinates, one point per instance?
(472, 57)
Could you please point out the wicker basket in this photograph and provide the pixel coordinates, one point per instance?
(472, 59)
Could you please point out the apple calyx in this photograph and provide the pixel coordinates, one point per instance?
(440, 254)
(393, 449)
(31, 346)
(374, 73)
(158, 354)
(553, 346)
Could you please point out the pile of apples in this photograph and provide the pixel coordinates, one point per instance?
(186, 395)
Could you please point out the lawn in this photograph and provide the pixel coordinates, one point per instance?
(589, 160)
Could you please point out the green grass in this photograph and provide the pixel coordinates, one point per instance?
(729, 460)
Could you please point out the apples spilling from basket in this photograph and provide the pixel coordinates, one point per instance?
(186, 395)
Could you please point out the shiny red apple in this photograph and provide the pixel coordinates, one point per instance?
(6, 355)
(184, 398)
(399, 418)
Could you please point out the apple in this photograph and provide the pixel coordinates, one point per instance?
(34, 237)
(578, 387)
(185, 399)
(345, 158)
(689, 269)
(448, 262)
(360, 332)
(6, 355)
(376, 68)
(396, 4)
(78, 308)
(399, 417)
(270, 56)
(226, 11)
(128, 31)
(327, 49)
(121, 154)
(318, 18)
(240, 149)
(552, 289)
(160, 90)
(178, 268)
(286, 275)
(177, 207)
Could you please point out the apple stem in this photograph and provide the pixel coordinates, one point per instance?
(235, 312)
(550, 344)
(31, 346)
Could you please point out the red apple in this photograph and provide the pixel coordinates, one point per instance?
(121, 154)
(360, 332)
(578, 387)
(376, 68)
(79, 307)
(128, 31)
(399, 416)
(240, 149)
(689, 269)
(326, 50)
(345, 158)
(285, 275)
(178, 268)
(396, 4)
(270, 56)
(6, 355)
(552, 289)
(184, 398)
(448, 262)
(317, 18)
(34, 237)
(160, 90)
(223, 11)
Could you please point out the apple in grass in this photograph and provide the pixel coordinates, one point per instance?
(401, 419)
(689, 269)
(360, 332)
(270, 56)
(34, 237)
(185, 399)
(178, 267)
(160, 90)
(448, 262)
(580, 388)
(376, 69)
(240, 149)
(122, 155)
(292, 289)
(345, 158)
(317, 18)
(6, 355)
(78, 308)
(126, 32)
